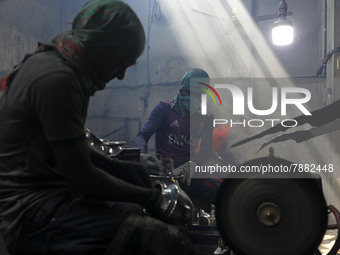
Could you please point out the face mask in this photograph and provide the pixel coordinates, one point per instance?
(194, 104)
(187, 104)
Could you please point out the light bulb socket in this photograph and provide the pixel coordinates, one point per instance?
(282, 21)
(283, 9)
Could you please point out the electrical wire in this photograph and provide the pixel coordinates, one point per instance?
(325, 61)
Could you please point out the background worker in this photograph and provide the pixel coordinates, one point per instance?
(171, 122)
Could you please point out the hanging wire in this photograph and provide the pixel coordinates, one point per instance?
(325, 60)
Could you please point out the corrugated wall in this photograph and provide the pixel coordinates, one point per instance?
(14, 44)
(24, 23)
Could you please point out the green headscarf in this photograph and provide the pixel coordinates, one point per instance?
(191, 78)
(109, 27)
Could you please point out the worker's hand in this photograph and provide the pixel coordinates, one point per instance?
(156, 166)
(184, 172)
(132, 172)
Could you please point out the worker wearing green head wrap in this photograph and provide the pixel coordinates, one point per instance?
(52, 183)
(106, 38)
(188, 99)
(179, 128)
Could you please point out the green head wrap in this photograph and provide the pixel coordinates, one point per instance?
(192, 77)
(109, 27)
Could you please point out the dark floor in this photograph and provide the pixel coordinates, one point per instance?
(325, 246)
(3, 250)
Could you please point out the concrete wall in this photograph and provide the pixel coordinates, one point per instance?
(24, 23)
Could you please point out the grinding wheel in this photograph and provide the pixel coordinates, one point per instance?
(271, 216)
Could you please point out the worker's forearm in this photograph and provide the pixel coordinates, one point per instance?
(82, 176)
(101, 185)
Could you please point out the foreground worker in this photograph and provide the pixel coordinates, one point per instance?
(51, 190)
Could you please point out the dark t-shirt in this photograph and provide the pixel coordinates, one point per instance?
(44, 106)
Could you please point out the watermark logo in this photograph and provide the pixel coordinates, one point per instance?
(239, 99)
(204, 96)
(283, 96)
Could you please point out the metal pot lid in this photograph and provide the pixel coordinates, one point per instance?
(113, 143)
(115, 147)
(269, 216)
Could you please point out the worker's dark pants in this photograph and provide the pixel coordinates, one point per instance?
(77, 226)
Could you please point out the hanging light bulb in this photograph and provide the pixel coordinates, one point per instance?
(282, 32)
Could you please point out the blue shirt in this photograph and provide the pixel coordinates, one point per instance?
(173, 136)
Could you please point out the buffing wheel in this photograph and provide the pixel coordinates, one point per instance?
(266, 216)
